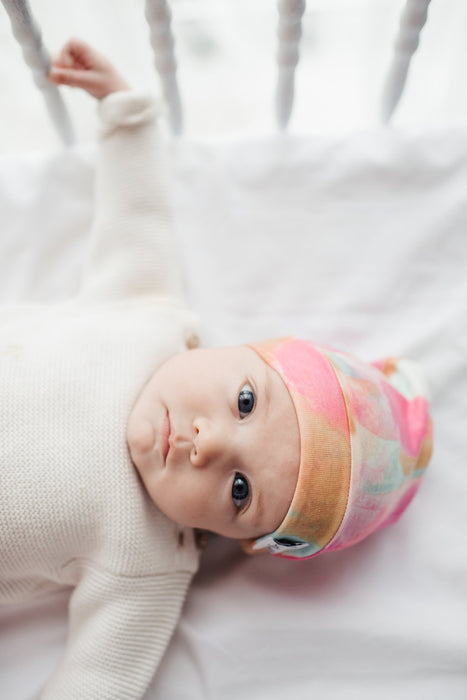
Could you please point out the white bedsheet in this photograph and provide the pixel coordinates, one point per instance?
(359, 242)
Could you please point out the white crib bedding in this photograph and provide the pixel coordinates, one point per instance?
(359, 243)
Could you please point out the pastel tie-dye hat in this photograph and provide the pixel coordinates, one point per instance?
(365, 441)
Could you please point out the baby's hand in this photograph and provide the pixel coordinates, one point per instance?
(79, 65)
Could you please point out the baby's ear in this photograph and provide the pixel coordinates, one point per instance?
(201, 539)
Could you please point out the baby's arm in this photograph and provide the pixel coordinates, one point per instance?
(119, 629)
(132, 251)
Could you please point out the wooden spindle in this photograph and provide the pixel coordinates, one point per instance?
(159, 18)
(412, 21)
(27, 32)
(289, 34)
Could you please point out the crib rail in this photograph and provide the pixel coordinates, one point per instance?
(158, 15)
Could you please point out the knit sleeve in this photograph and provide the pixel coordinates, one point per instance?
(132, 251)
(119, 628)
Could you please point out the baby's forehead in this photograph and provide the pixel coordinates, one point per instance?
(223, 359)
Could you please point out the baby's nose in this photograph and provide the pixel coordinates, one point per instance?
(208, 442)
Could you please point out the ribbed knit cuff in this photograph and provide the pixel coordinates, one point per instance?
(127, 108)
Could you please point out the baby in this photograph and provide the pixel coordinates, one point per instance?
(119, 438)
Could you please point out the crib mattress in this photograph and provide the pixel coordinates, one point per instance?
(356, 242)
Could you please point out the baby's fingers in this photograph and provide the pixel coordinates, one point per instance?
(85, 79)
(76, 53)
(79, 65)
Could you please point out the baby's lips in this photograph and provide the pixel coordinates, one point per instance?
(164, 440)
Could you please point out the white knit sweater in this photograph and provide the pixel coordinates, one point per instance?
(73, 510)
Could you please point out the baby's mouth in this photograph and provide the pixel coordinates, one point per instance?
(164, 444)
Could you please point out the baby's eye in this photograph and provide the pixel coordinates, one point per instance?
(240, 490)
(246, 401)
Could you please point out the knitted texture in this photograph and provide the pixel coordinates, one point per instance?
(73, 509)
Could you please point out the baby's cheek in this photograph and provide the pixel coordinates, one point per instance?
(183, 501)
(194, 509)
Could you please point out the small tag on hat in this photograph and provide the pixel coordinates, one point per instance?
(279, 545)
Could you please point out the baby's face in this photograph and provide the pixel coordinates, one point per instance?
(215, 439)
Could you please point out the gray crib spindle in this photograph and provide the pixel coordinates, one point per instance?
(412, 21)
(289, 33)
(159, 17)
(26, 31)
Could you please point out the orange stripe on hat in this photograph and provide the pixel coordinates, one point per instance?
(321, 493)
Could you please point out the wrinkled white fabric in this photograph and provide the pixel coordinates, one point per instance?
(359, 243)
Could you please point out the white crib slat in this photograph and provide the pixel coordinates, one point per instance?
(26, 31)
(412, 21)
(289, 33)
(159, 18)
